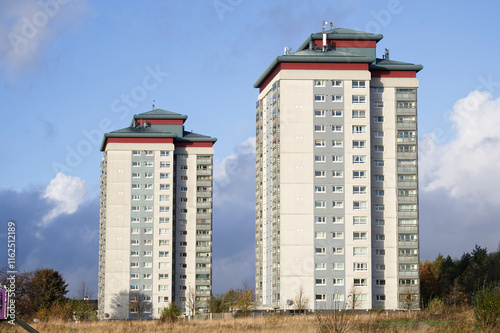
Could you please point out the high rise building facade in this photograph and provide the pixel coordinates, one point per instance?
(155, 242)
(336, 176)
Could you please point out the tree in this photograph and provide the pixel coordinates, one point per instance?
(138, 303)
(229, 300)
(45, 288)
(170, 313)
(429, 288)
(217, 303)
(408, 300)
(84, 292)
(353, 299)
(245, 299)
(191, 302)
(300, 301)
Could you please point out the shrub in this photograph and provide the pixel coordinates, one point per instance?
(170, 314)
(487, 307)
(435, 306)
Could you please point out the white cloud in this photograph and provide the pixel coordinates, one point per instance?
(29, 26)
(467, 166)
(66, 193)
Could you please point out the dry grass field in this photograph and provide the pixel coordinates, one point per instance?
(452, 320)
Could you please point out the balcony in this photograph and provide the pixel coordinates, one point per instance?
(407, 184)
(407, 229)
(408, 274)
(407, 199)
(204, 172)
(412, 155)
(204, 204)
(407, 168)
(412, 124)
(204, 183)
(410, 243)
(407, 214)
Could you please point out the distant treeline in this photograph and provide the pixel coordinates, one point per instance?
(456, 281)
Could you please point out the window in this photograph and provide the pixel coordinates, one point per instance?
(163, 242)
(320, 297)
(360, 266)
(358, 99)
(163, 254)
(320, 158)
(337, 143)
(337, 113)
(148, 164)
(337, 174)
(408, 267)
(379, 163)
(336, 83)
(134, 287)
(378, 119)
(379, 178)
(319, 83)
(360, 236)
(134, 253)
(134, 265)
(320, 204)
(379, 208)
(379, 148)
(378, 90)
(148, 152)
(379, 223)
(134, 275)
(320, 189)
(359, 205)
(136, 175)
(164, 220)
(163, 265)
(379, 193)
(148, 186)
(147, 276)
(337, 189)
(162, 276)
(338, 250)
(320, 266)
(359, 251)
(164, 197)
(380, 237)
(148, 230)
(148, 220)
(164, 176)
(148, 242)
(357, 220)
(162, 299)
(337, 128)
(320, 235)
(338, 282)
(135, 208)
(320, 250)
(358, 144)
(380, 282)
(378, 104)
(379, 252)
(356, 159)
(319, 98)
(163, 287)
(360, 282)
(358, 129)
(380, 267)
(320, 219)
(337, 235)
(407, 237)
(358, 84)
(319, 128)
(135, 220)
(164, 231)
(320, 143)
(164, 153)
(134, 230)
(319, 113)
(135, 186)
(147, 264)
(164, 165)
(359, 174)
(320, 173)
(361, 297)
(336, 98)
(338, 219)
(380, 298)
(184, 178)
(337, 158)
(134, 242)
(338, 204)
(136, 153)
(320, 282)
(359, 190)
(378, 134)
(338, 266)
(148, 208)
(338, 297)
(356, 114)
(136, 164)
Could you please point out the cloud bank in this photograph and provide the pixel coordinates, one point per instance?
(459, 200)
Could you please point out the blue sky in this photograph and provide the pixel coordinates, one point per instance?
(72, 69)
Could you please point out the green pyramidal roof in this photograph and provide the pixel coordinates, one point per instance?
(159, 114)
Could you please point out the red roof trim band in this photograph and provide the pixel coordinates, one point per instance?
(312, 66)
(195, 144)
(160, 121)
(346, 43)
(394, 74)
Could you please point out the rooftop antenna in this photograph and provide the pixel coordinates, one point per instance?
(287, 50)
(324, 37)
(386, 54)
(153, 104)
